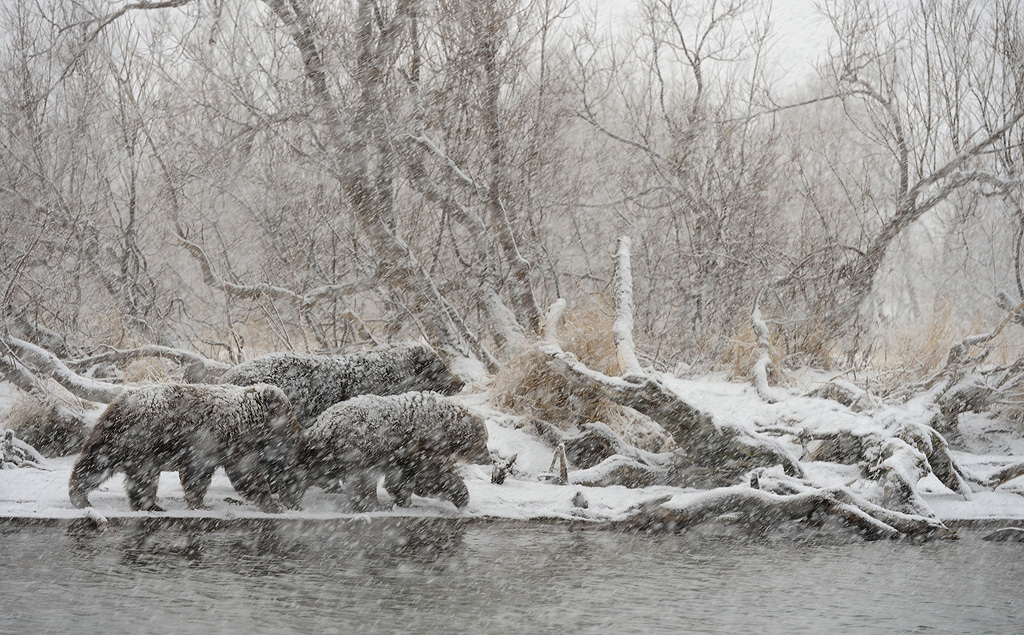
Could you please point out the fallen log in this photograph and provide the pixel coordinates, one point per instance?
(767, 510)
(727, 446)
(198, 369)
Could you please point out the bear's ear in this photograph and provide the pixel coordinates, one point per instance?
(272, 394)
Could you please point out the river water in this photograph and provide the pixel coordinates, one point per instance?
(417, 576)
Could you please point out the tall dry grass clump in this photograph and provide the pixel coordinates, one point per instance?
(151, 370)
(525, 385)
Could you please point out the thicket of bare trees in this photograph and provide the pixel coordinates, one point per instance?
(319, 175)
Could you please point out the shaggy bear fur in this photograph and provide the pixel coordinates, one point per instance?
(192, 429)
(314, 383)
(412, 438)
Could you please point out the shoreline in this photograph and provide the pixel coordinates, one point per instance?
(162, 520)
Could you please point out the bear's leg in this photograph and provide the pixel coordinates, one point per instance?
(141, 481)
(444, 483)
(195, 476)
(249, 479)
(399, 482)
(361, 486)
(293, 486)
(454, 489)
(92, 468)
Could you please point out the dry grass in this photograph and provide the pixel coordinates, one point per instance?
(742, 354)
(41, 426)
(152, 370)
(915, 353)
(527, 386)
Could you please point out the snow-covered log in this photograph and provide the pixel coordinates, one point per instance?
(850, 395)
(767, 510)
(198, 369)
(46, 364)
(726, 446)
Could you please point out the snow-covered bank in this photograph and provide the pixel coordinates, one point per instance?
(43, 494)
(988, 447)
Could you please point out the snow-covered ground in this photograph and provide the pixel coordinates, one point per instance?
(35, 493)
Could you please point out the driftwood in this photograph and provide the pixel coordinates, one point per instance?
(897, 461)
(500, 469)
(558, 460)
(1006, 534)
(721, 445)
(621, 470)
(897, 455)
(853, 397)
(1007, 474)
(767, 510)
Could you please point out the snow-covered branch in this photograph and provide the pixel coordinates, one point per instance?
(764, 358)
(200, 368)
(45, 363)
(257, 291)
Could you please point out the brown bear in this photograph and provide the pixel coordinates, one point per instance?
(412, 439)
(192, 429)
(314, 383)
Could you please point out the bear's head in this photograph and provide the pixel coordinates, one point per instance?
(428, 371)
(469, 438)
(278, 409)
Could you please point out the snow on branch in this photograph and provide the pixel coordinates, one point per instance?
(200, 368)
(764, 358)
(549, 326)
(45, 363)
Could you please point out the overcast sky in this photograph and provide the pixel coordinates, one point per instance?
(800, 33)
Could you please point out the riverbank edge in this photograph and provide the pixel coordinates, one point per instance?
(90, 524)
